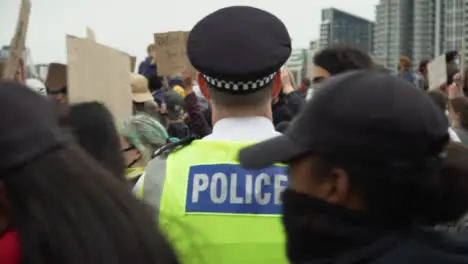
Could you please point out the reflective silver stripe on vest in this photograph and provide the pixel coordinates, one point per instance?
(153, 183)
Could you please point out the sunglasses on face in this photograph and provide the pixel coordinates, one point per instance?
(128, 148)
(318, 79)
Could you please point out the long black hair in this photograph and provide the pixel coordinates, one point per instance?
(68, 209)
(93, 126)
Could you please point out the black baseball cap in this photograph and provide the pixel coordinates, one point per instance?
(30, 127)
(363, 115)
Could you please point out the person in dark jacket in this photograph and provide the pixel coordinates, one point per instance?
(94, 128)
(338, 59)
(404, 69)
(369, 176)
(458, 109)
(452, 59)
(148, 67)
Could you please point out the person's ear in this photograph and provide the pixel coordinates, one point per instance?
(277, 85)
(203, 87)
(340, 191)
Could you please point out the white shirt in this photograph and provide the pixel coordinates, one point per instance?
(255, 128)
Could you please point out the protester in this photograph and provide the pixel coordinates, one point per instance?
(177, 84)
(148, 67)
(57, 204)
(453, 61)
(58, 96)
(281, 127)
(422, 81)
(338, 59)
(369, 177)
(141, 137)
(143, 101)
(93, 126)
(305, 85)
(155, 86)
(37, 86)
(458, 109)
(440, 99)
(196, 120)
(289, 101)
(240, 77)
(404, 69)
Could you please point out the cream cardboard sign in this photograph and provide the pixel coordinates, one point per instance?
(99, 73)
(18, 42)
(171, 52)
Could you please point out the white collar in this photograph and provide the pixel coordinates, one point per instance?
(253, 128)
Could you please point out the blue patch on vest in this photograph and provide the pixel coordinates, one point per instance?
(228, 188)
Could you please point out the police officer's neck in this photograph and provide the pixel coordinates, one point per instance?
(219, 113)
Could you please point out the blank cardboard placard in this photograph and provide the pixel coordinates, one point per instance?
(437, 72)
(132, 63)
(90, 34)
(17, 45)
(99, 73)
(171, 52)
(56, 77)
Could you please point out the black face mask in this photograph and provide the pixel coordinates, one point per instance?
(317, 230)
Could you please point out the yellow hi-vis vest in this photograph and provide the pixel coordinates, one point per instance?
(212, 210)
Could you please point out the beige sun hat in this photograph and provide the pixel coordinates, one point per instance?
(140, 90)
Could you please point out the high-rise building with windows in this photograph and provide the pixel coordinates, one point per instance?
(393, 33)
(425, 21)
(419, 29)
(342, 28)
(455, 25)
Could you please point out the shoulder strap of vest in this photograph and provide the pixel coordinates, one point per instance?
(153, 182)
(155, 173)
(168, 148)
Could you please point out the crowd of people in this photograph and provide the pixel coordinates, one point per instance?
(235, 165)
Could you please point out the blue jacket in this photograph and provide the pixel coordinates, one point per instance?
(407, 75)
(147, 69)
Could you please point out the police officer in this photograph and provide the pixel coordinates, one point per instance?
(213, 210)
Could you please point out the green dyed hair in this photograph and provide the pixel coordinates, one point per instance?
(144, 133)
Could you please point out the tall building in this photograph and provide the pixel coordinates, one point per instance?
(419, 29)
(296, 64)
(424, 30)
(314, 47)
(393, 33)
(341, 28)
(455, 24)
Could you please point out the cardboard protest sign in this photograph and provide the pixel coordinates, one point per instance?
(99, 73)
(437, 72)
(90, 34)
(132, 63)
(17, 45)
(56, 77)
(171, 52)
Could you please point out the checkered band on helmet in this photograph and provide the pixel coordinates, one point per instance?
(239, 86)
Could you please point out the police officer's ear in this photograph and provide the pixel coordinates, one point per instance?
(277, 85)
(202, 84)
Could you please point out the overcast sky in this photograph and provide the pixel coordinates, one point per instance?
(129, 24)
